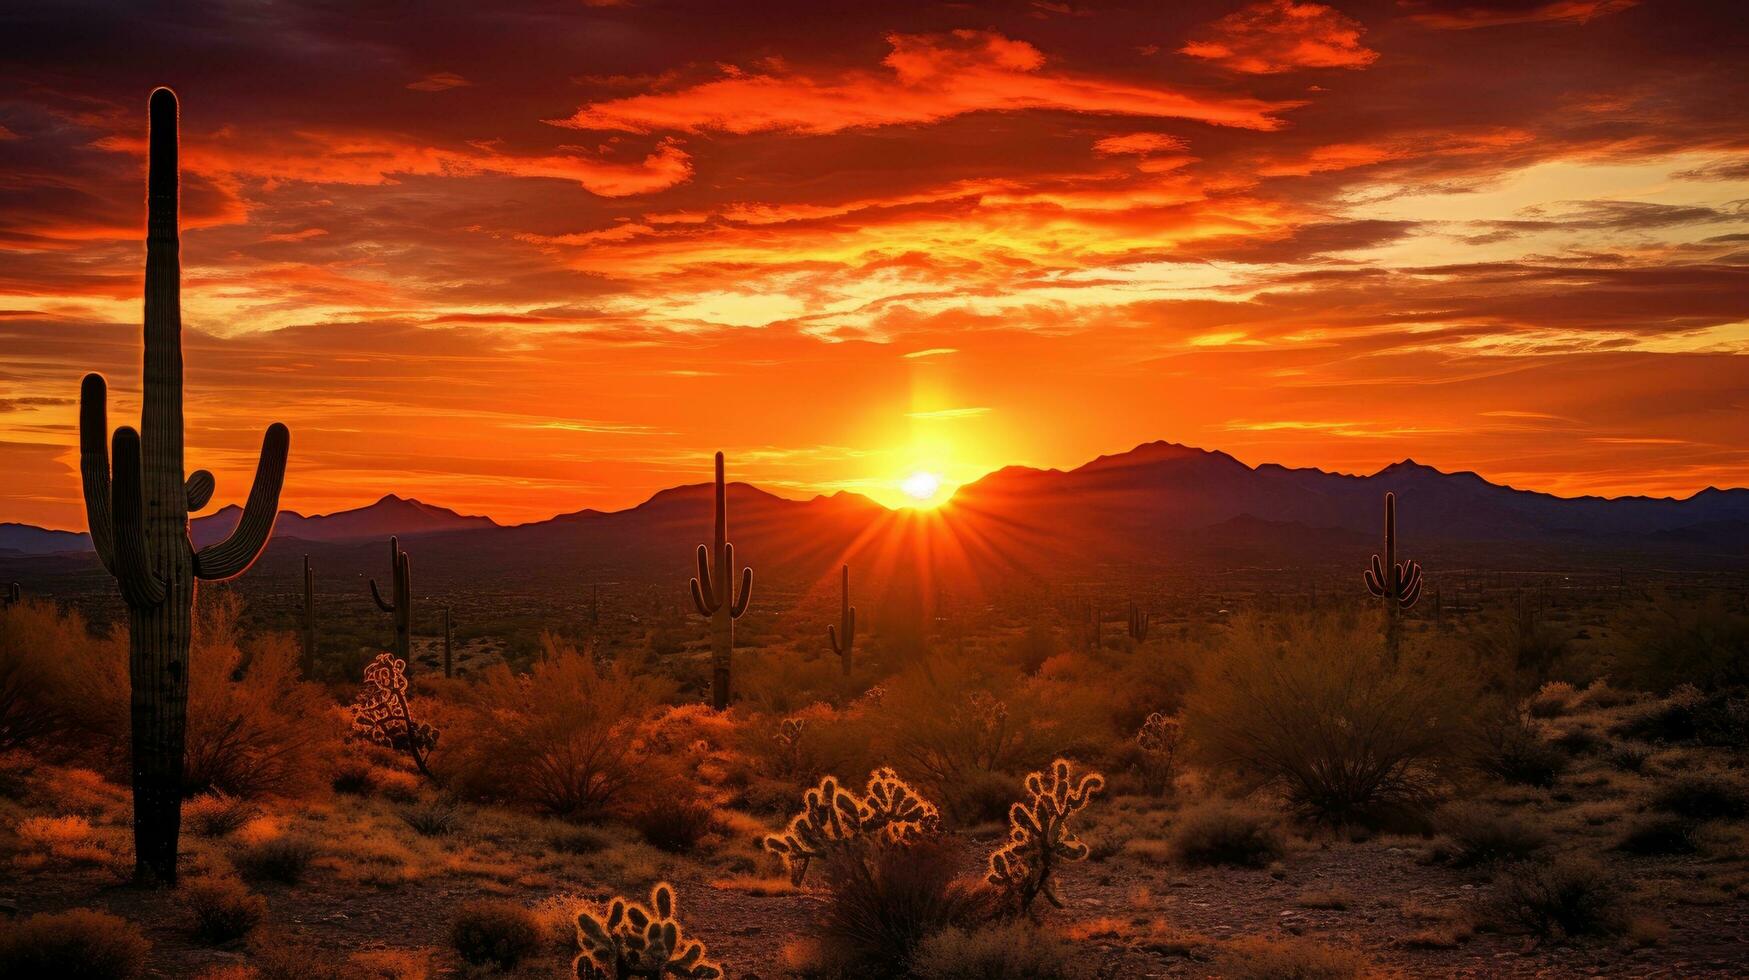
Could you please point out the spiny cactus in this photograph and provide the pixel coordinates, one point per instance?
(137, 501)
(834, 819)
(843, 637)
(1138, 624)
(402, 606)
(383, 714)
(632, 941)
(1160, 738)
(1039, 836)
(713, 593)
(1397, 583)
(789, 741)
(309, 617)
(14, 594)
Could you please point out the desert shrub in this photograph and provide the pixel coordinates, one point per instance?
(1658, 835)
(432, 818)
(216, 814)
(1039, 838)
(494, 931)
(1317, 712)
(383, 714)
(1702, 796)
(1676, 642)
(1258, 958)
(1552, 700)
(1580, 741)
(1221, 833)
(1629, 757)
(221, 908)
(1480, 835)
(613, 944)
(563, 737)
(78, 944)
(250, 712)
(579, 840)
(283, 858)
(353, 777)
(1569, 896)
(274, 956)
(69, 839)
(1014, 950)
(676, 826)
(880, 905)
(1159, 740)
(1033, 647)
(32, 634)
(1689, 714)
(1508, 747)
(1516, 643)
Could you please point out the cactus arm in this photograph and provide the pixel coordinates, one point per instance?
(199, 488)
(378, 596)
(702, 595)
(94, 466)
(140, 586)
(740, 605)
(233, 556)
(832, 637)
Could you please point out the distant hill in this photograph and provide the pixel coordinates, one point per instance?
(1158, 504)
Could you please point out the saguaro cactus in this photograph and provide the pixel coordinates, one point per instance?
(137, 501)
(448, 643)
(309, 617)
(713, 593)
(14, 594)
(1138, 624)
(1398, 584)
(402, 607)
(843, 636)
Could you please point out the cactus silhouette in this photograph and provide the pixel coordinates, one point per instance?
(14, 595)
(843, 637)
(713, 594)
(1039, 837)
(383, 714)
(309, 617)
(631, 941)
(137, 501)
(835, 820)
(1397, 583)
(402, 606)
(448, 642)
(1138, 624)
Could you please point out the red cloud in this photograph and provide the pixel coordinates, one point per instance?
(1465, 16)
(931, 77)
(1280, 35)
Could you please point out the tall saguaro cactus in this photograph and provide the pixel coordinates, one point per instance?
(1398, 584)
(843, 636)
(137, 500)
(713, 593)
(309, 617)
(402, 607)
(1138, 625)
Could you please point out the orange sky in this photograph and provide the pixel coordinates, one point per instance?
(526, 258)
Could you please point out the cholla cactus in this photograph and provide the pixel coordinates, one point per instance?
(834, 819)
(382, 713)
(988, 721)
(789, 740)
(1159, 738)
(1039, 836)
(637, 942)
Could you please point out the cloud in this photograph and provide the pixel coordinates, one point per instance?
(1283, 35)
(1467, 15)
(440, 81)
(1139, 144)
(929, 78)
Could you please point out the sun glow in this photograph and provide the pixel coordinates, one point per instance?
(921, 487)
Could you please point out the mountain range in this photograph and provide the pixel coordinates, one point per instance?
(1156, 502)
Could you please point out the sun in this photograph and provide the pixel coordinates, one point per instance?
(921, 486)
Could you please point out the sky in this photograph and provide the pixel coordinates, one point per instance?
(527, 257)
